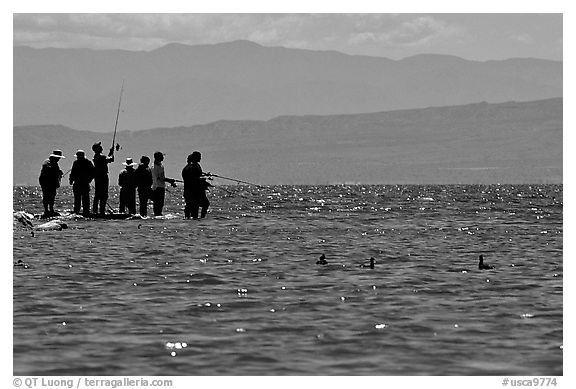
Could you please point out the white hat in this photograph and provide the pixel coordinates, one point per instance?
(129, 162)
(57, 154)
(80, 152)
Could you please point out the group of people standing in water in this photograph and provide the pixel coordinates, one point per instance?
(148, 182)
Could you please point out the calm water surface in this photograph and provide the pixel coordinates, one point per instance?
(239, 293)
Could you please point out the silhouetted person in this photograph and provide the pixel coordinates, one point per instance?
(127, 182)
(322, 260)
(80, 178)
(159, 181)
(482, 265)
(143, 177)
(101, 177)
(50, 176)
(371, 265)
(195, 186)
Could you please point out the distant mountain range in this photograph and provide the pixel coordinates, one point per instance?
(180, 85)
(512, 142)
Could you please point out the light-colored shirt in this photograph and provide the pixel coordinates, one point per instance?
(158, 177)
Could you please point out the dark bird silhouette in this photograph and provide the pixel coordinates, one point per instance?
(322, 260)
(371, 265)
(21, 263)
(482, 265)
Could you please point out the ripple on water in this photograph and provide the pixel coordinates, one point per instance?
(258, 304)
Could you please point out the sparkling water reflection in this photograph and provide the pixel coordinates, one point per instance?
(239, 293)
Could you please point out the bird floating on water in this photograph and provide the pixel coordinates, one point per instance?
(371, 265)
(21, 263)
(322, 260)
(482, 265)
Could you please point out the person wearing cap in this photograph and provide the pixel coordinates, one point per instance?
(50, 176)
(143, 176)
(127, 182)
(81, 176)
(159, 181)
(101, 177)
(195, 186)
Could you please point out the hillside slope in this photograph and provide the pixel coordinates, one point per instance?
(476, 143)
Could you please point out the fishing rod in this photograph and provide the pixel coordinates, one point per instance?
(230, 193)
(175, 180)
(231, 179)
(213, 186)
(115, 127)
(117, 116)
(110, 209)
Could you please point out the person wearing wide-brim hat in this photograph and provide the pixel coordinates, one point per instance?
(127, 182)
(50, 176)
(81, 176)
(101, 177)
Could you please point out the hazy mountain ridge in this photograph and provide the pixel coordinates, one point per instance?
(513, 142)
(182, 85)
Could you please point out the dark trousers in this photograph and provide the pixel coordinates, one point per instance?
(48, 197)
(100, 195)
(158, 198)
(128, 200)
(81, 196)
(193, 203)
(143, 196)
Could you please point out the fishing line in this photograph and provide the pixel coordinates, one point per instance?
(230, 193)
(233, 179)
(110, 209)
(241, 182)
(216, 187)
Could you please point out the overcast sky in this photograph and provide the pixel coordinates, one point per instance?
(471, 36)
